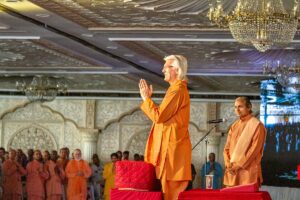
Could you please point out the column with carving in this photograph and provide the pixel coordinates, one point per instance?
(89, 134)
(89, 143)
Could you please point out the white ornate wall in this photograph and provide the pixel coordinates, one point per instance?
(41, 126)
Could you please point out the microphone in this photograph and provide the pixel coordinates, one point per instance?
(215, 121)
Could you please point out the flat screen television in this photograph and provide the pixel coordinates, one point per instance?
(280, 113)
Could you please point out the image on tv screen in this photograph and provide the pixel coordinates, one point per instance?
(280, 113)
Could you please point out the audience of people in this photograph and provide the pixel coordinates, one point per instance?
(55, 176)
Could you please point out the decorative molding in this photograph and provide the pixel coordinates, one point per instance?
(116, 13)
(108, 112)
(197, 115)
(39, 118)
(89, 134)
(35, 137)
(90, 113)
(13, 109)
(226, 110)
(32, 112)
(137, 143)
(72, 137)
(180, 6)
(30, 55)
(117, 134)
(71, 110)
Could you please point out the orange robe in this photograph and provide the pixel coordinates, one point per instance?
(62, 163)
(109, 177)
(12, 185)
(35, 184)
(168, 147)
(248, 135)
(54, 189)
(77, 185)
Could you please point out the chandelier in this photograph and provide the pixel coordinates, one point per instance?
(42, 88)
(288, 75)
(261, 23)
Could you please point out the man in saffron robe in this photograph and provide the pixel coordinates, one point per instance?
(168, 147)
(62, 162)
(109, 175)
(78, 171)
(244, 147)
(54, 189)
(36, 176)
(12, 172)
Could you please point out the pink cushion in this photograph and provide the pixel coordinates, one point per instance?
(135, 175)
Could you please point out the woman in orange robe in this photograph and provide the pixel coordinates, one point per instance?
(12, 172)
(36, 176)
(168, 147)
(54, 187)
(77, 171)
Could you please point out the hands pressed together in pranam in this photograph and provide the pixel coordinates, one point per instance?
(80, 173)
(145, 90)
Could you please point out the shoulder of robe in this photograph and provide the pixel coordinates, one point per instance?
(177, 88)
(234, 124)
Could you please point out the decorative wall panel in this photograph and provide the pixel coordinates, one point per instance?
(74, 110)
(34, 125)
(108, 110)
(33, 137)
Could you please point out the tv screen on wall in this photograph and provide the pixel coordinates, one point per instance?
(280, 113)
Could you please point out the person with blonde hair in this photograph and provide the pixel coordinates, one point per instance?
(168, 147)
(77, 171)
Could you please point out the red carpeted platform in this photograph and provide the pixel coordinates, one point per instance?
(218, 195)
(116, 194)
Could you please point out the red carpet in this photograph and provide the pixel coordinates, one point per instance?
(218, 195)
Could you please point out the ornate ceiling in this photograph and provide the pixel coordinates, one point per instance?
(103, 47)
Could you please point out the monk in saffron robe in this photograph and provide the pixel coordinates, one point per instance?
(62, 162)
(54, 189)
(168, 147)
(12, 172)
(36, 176)
(109, 175)
(244, 147)
(77, 171)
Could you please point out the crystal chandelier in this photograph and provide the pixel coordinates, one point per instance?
(288, 75)
(42, 88)
(261, 23)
